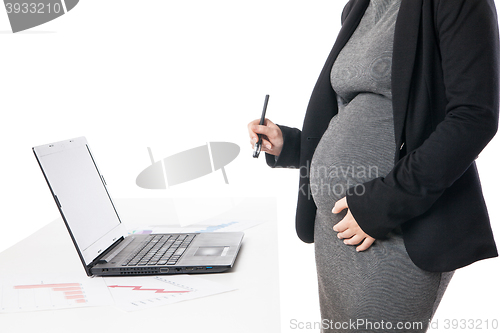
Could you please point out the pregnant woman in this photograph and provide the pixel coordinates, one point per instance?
(389, 191)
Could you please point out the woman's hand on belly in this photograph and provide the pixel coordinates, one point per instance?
(349, 230)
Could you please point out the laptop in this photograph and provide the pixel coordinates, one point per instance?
(100, 238)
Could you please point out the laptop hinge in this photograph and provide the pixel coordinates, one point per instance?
(99, 259)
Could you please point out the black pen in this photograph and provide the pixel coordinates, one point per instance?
(258, 144)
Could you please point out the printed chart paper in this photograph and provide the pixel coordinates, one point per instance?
(52, 294)
(137, 293)
(126, 293)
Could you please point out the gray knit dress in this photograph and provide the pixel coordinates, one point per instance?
(380, 289)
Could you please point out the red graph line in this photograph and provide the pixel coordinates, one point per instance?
(158, 291)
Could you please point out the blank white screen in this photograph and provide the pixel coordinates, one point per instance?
(84, 200)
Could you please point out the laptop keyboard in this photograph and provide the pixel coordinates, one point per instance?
(161, 249)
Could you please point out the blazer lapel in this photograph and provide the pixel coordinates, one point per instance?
(404, 52)
(323, 103)
(348, 27)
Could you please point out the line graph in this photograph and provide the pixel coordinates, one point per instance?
(141, 292)
(157, 291)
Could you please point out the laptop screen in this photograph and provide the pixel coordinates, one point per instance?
(81, 195)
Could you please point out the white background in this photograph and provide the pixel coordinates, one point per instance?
(173, 75)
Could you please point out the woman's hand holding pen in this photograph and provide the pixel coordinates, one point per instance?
(349, 230)
(272, 138)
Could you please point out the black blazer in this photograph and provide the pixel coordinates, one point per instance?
(445, 89)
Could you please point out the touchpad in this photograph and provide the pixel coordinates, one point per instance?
(211, 251)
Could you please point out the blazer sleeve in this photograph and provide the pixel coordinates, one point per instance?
(290, 153)
(467, 31)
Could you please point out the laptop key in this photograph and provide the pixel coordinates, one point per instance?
(180, 251)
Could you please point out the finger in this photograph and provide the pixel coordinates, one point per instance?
(345, 223)
(270, 132)
(366, 244)
(254, 140)
(341, 226)
(354, 240)
(266, 146)
(253, 135)
(269, 123)
(348, 233)
(340, 205)
(253, 122)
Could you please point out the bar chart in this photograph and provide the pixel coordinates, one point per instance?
(53, 294)
(59, 293)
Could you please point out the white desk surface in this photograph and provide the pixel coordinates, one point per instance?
(253, 307)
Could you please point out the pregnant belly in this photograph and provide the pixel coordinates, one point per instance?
(357, 146)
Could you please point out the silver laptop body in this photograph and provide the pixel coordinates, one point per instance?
(98, 234)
